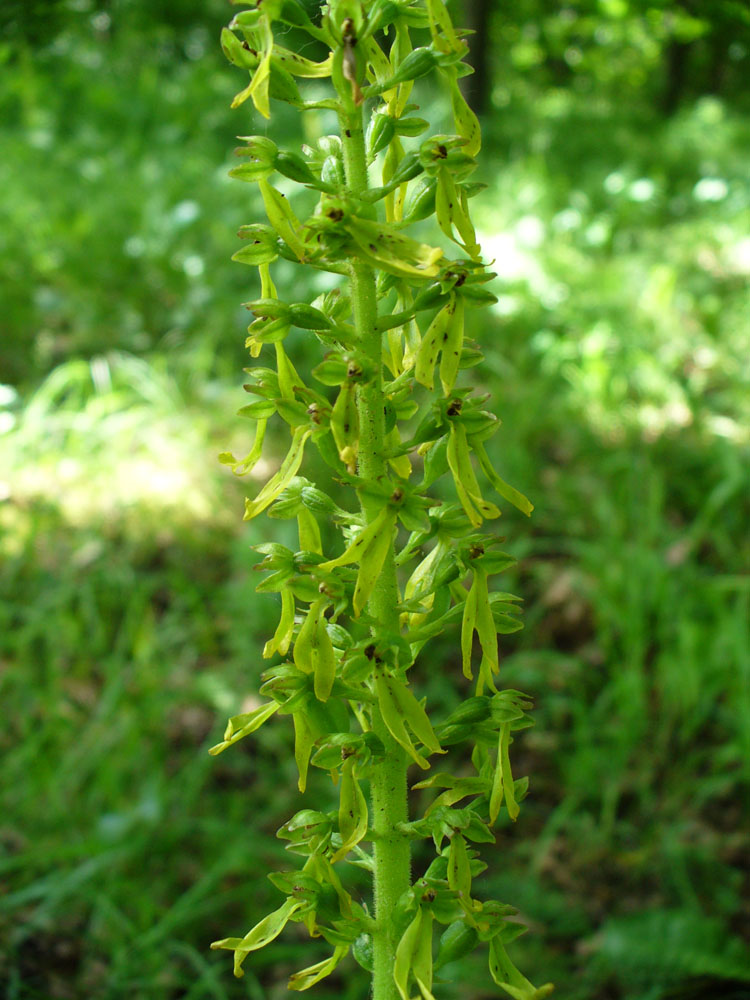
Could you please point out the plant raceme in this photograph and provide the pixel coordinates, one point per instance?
(387, 413)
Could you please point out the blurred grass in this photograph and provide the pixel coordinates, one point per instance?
(129, 627)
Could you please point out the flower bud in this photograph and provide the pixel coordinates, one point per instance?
(317, 501)
(408, 168)
(259, 148)
(246, 20)
(332, 173)
(456, 941)
(418, 63)
(236, 52)
(282, 86)
(294, 167)
(380, 131)
(308, 318)
(410, 126)
(261, 246)
(429, 298)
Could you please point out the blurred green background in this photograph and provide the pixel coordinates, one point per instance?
(618, 214)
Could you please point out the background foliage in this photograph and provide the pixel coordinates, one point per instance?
(617, 210)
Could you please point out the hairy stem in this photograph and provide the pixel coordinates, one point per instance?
(388, 784)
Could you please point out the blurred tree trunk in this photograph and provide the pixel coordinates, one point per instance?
(676, 69)
(721, 39)
(476, 86)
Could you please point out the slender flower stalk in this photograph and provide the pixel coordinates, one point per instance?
(388, 415)
(391, 847)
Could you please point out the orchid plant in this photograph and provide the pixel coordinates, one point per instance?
(398, 430)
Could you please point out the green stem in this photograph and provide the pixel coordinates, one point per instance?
(391, 849)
